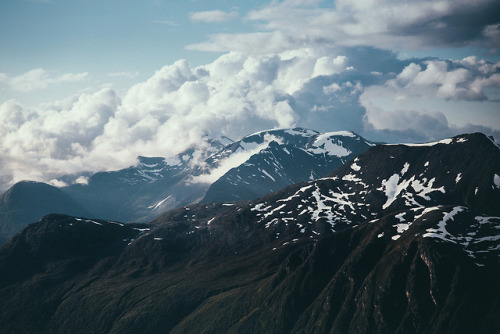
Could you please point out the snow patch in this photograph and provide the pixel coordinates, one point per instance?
(391, 189)
(422, 189)
(327, 144)
(301, 132)
(400, 217)
(88, 221)
(440, 232)
(405, 168)
(351, 177)
(444, 141)
(141, 229)
(355, 167)
(267, 174)
(342, 134)
(496, 181)
(157, 205)
(402, 227)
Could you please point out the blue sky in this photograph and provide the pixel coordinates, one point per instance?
(90, 85)
(106, 37)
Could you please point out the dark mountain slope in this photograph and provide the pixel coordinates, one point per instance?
(361, 251)
(28, 201)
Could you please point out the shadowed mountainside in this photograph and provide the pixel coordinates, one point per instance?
(404, 239)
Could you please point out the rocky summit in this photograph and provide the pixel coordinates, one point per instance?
(400, 239)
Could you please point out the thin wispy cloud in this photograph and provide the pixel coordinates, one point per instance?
(123, 74)
(38, 79)
(213, 16)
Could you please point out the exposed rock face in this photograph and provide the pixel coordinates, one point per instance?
(403, 239)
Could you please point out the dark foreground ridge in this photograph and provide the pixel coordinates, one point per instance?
(404, 239)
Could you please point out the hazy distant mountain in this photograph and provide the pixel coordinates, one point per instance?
(26, 202)
(403, 239)
(141, 192)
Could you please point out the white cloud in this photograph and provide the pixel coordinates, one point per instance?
(82, 180)
(390, 24)
(434, 98)
(40, 144)
(213, 16)
(234, 160)
(238, 94)
(162, 116)
(437, 79)
(328, 66)
(38, 79)
(57, 183)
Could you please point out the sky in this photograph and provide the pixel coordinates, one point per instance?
(89, 85)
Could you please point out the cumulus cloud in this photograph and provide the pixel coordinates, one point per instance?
(175, 108)
(213, 16)
(390, 24)
(435, 98)
(38, 144)
(466, 79)
(237, 94)
(38, 79)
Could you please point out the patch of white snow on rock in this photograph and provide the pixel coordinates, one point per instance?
(496, 181)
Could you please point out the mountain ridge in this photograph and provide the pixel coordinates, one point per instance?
(422, 257)
(218, 171)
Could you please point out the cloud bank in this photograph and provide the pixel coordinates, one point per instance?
(239, 94)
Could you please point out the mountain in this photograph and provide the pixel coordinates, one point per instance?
(141, 192)
(292, 156)
(403, 239)
(27, 202)
(218, 170)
